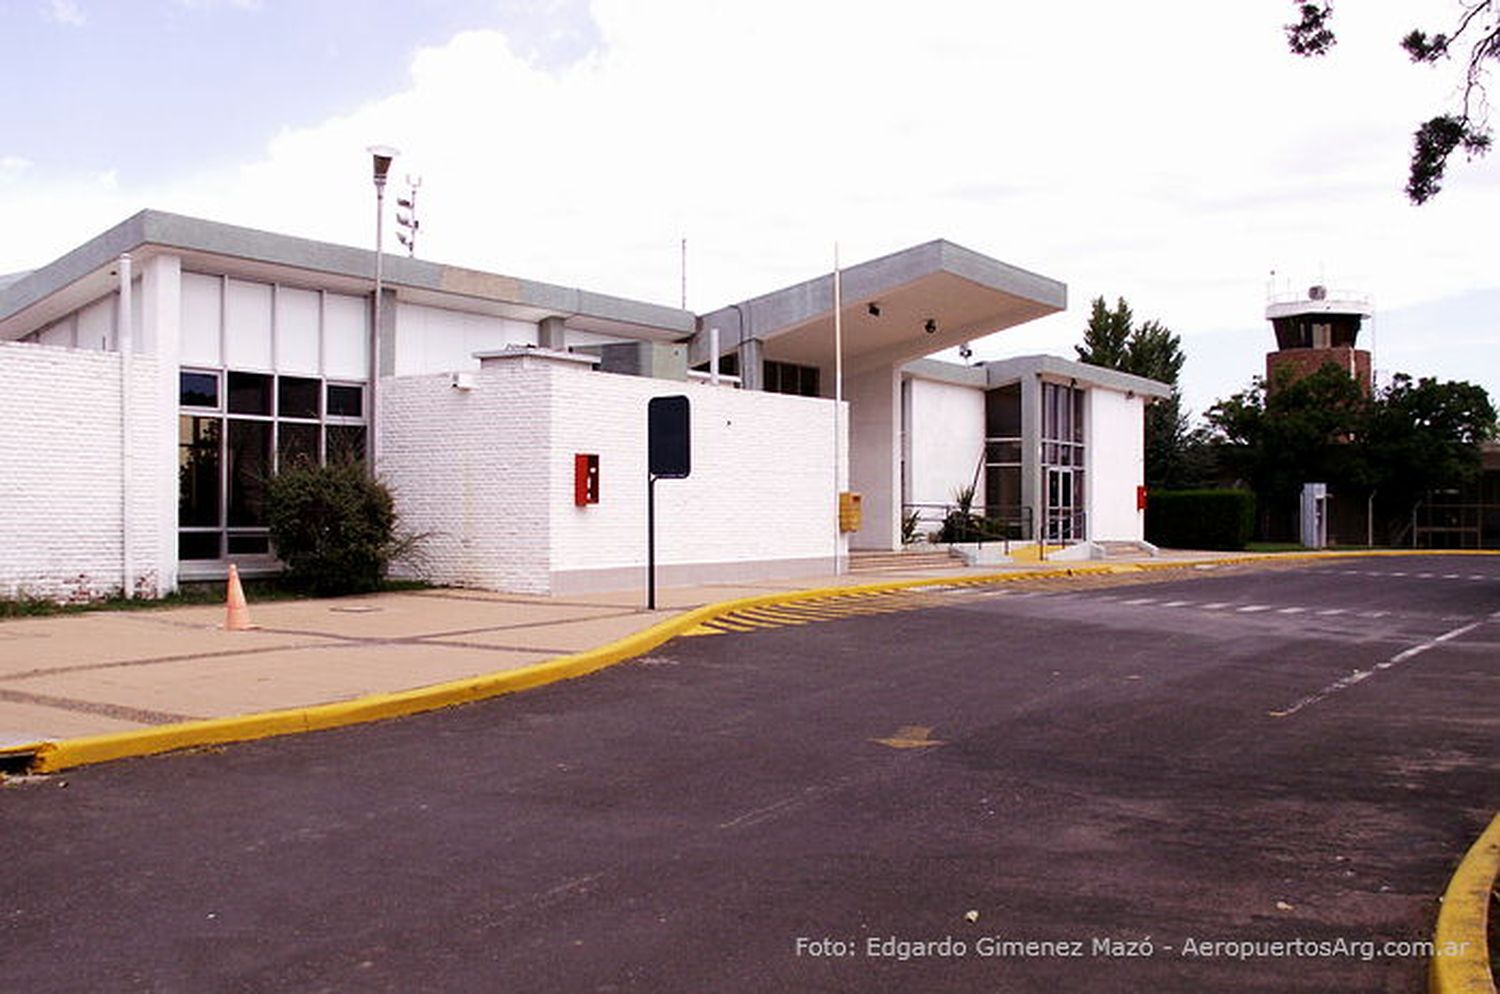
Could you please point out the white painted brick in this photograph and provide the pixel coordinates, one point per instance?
(488, 474)
(60, 474)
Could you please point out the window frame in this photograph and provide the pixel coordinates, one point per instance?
(228, 534)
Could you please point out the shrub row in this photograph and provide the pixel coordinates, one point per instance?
(1200, 519)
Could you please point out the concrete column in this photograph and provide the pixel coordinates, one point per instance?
(160, 334)
(551, 334)
(875, 455)
(1033, 489)
(752, 372)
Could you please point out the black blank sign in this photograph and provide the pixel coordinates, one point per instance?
(669, 438)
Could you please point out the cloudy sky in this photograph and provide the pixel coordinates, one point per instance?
(1169, 152)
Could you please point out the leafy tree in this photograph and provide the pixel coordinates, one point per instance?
(1305, 430)
(1465, 127)
(1112, 340)
(1412, 437)
(1426, 434)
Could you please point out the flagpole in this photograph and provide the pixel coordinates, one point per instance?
(838, 327)
(838, 396)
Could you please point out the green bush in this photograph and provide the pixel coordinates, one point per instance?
(910, 522)
(333, 526)
(1200, 519)
(961, 524)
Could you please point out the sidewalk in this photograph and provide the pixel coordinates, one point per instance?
(108, 672)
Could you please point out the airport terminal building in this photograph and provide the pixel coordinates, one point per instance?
(153, 379)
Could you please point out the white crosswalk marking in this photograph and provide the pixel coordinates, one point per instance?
(1253, 608)
(1344, 683)
(1292, 610)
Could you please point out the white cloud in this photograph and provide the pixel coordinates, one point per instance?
(1144, 150)
(66, 12)
(250, 5)
(12, 167)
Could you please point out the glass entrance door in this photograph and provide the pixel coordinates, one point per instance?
(1062, 516)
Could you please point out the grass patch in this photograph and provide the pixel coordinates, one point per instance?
(1295, 547)
(194, 594)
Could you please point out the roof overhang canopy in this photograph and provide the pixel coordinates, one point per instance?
(89, 272)
(895, 309)
(1002, 372)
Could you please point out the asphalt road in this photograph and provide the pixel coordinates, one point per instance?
(1109, 778)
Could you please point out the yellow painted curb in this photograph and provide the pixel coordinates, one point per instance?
(49, 757)
(66, 753)
(1461, 954)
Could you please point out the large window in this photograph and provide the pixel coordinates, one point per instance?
(789, 377)
(236, 429)
(1063, 461)
(1002, 460)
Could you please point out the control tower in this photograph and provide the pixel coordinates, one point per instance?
(1315, 330)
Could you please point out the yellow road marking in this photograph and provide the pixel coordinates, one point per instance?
(1461, 962)
(770, 615)
(911, 737)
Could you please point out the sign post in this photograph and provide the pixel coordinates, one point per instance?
(669, 457)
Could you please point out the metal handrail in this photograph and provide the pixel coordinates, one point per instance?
(921, 520)
(1330, 295)
(1461, 520)
(1066, 526)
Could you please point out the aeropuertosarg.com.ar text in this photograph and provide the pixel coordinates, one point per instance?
(901, 949)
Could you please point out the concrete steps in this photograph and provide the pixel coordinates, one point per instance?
(1030, 552)
(878, 561)
(1121, 549)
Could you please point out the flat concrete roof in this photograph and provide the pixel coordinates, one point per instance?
(1000, 372)
(86, 273)
(888, 305)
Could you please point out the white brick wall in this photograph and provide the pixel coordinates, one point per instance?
(60, 474)
(467, 469)
(762, 485)
(489, 474)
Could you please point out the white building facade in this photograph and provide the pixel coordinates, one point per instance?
(153, 379)
(1048, 449)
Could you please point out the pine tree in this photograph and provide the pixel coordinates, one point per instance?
(1153, 351)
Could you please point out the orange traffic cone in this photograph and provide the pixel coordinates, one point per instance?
(237, 617)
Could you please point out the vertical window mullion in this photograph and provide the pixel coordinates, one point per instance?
(275, 459)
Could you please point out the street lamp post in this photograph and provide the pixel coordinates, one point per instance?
(382, 155)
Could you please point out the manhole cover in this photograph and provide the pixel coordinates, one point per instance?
(357, 609)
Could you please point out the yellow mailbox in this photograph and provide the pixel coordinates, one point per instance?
(851, 511)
